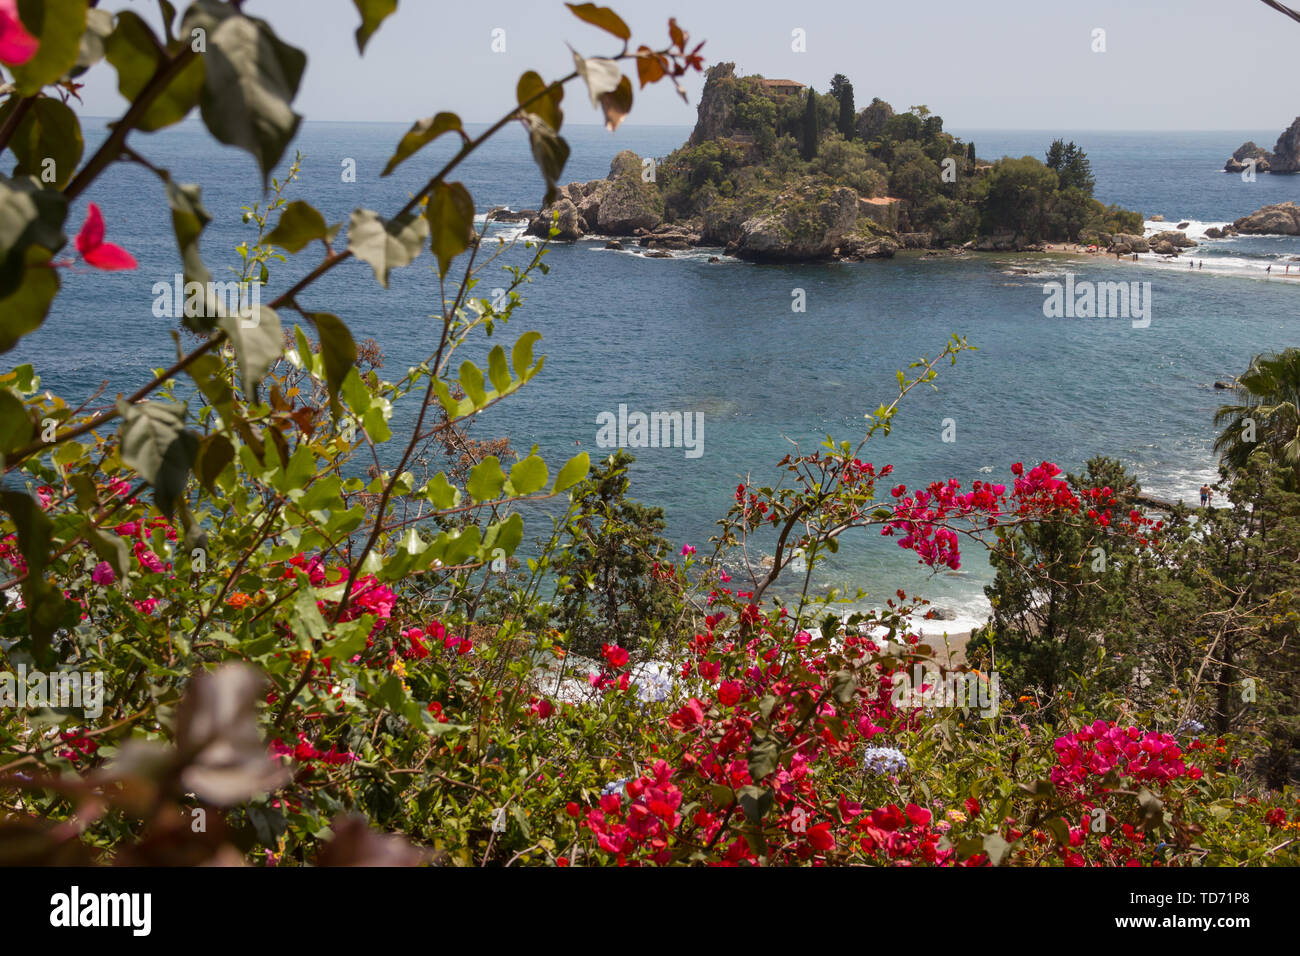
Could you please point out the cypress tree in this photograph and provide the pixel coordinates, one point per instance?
(811, 130)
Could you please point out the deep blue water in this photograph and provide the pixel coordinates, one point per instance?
(684, 334)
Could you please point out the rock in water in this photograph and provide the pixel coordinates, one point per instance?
(1279, 219)
(1174, 238)
(1286, 154)
(1127, 242)
(1246, 151)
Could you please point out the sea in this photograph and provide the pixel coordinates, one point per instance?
(726, 339)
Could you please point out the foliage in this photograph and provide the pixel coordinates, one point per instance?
(308, 626)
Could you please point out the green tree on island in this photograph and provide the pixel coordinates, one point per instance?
(842, 90)
(1072, 166)
(811, 126)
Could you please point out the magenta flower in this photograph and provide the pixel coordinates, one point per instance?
(103, 574)
(17, 46)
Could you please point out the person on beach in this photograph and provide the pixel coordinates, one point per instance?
(1205, 496)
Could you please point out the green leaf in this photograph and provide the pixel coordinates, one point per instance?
(307, 622)
(251, 79)
(110, 547)
(498, 371)
(763, 759)
(386, 245)
(16, 425)
(574, 471)
(844, 685)
(423, 132)
(258, 341)
(528, 476)
(299, 225)
(755, 802)
(215, 453)
(471, 380)
(543, 99)
(550, 153)
(99, 24)
(350, 642)
(24, 309)
(29, 215)
(156, 445)
(451, 223)
(338, 352)
(486, 479)
(373, 13)
(996, 847)
(521, 356)
(47, 610)
(189, 219)
(440, 493)
(505, 535)
(136, 54)
(602, 17)
(57, 26)
(48, 141)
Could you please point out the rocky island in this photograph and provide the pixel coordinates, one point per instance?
(776, 172)
(1285, 157)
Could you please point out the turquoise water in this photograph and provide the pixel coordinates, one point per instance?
(721, 339)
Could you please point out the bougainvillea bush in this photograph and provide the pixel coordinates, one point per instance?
(317, 648)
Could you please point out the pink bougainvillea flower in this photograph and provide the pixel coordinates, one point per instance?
(103, 574)
(97, 252)
(17, 46)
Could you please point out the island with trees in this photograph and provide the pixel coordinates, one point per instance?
(775, 171)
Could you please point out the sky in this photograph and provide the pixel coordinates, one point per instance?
(998, 64)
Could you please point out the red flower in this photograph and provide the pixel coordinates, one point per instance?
(97, 252)
(17, 46)
(729, 693)
(616, 656)
(820, 837)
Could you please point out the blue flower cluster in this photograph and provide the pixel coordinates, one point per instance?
(653, 685)
(1189, 728)
(884, 760)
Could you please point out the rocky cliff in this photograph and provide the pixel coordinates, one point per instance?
(1286, 154)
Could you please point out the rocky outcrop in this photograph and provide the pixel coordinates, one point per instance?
(806, 222)
(1282, 219)
(1164, 248)
(619, 205)
(506, 214)
(1286, 154)
(671, 237)
(713, 118)
(564, 214)
(859, 247)
(1174, 237)
(1247, 151)
(1125, 243)
(1003, 242)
